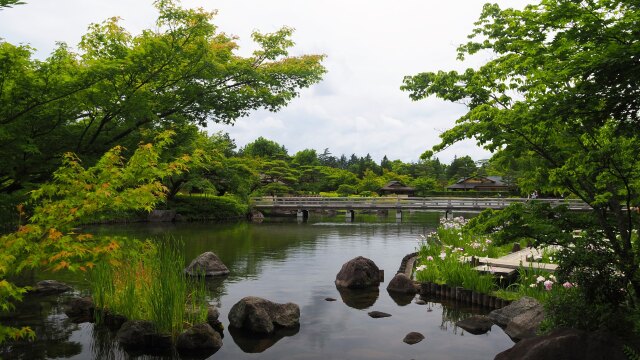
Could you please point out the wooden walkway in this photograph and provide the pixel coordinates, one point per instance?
(400, 203)
(508, 265)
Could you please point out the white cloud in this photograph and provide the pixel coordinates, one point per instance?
(370, 46)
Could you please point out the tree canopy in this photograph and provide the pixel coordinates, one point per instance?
(560, 99)
(119, 88)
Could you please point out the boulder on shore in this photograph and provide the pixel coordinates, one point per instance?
(207, 264)
(401, 283)
(520, 319)
(567, 344)
(358, 273)
(263, 316)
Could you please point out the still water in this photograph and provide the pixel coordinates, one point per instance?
(286, 261)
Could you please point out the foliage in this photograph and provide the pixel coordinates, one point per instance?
(119, 85)
(50, 241)
(264, 148)
(559, 98)
(9, 3)
(208, 207)
(150, 285)
(570, 308)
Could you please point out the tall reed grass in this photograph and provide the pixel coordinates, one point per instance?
(151, 285)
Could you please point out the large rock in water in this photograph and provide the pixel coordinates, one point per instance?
(358, 273)
(263, 316)
(566, 344)
(207, 264)
(520, 319)
(200, 338)
(401, 284)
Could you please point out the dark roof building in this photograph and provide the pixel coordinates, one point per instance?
(480, 183)
(396, 188)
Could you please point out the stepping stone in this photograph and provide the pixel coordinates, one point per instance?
(378, 314)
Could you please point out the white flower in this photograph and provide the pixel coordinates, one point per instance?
(443, 255)
(540, 279)
(421, 267)
(552, 277)
(533, 285)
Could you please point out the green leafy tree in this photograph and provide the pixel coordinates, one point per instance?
(370, 182)
(182, 72)
(461, 167)
(264, 148)
(49, 240)
(306, 157)
(561, 95)
(424, 185)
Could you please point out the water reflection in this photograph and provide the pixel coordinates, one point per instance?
(53, 330)
(360, 299)
(400, 298)
(285, 262)
(257, 343)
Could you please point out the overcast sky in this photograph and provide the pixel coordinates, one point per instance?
(370, 46)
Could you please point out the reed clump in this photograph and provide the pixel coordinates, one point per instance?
(150, 284)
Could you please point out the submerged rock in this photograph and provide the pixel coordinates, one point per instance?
(263, 316)
(359, 273)
(207, 264)
(413, 338)
(476, 325)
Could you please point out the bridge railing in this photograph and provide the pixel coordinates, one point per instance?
(404, 202)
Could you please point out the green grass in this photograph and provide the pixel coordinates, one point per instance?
(151, 286)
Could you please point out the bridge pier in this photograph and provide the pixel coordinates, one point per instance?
(303, 214)
(350, 215)
(398, 215)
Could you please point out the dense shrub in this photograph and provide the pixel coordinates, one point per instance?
(201, 207)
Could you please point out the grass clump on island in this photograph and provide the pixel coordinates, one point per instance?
(150, 284)
(443, 258)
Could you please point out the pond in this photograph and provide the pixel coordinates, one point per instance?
(286, 261)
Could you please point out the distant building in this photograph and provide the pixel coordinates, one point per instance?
(480, 183)
(397, 188)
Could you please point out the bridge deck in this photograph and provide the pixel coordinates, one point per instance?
(400, 203)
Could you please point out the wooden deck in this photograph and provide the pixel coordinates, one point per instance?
(508, 265)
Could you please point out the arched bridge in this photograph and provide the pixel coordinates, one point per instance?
(304, 204)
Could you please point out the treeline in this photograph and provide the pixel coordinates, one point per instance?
(264, 167)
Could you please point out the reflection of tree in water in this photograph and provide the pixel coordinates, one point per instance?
(44, 315)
